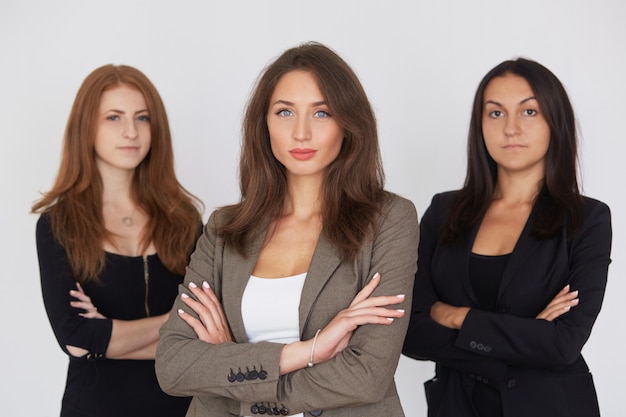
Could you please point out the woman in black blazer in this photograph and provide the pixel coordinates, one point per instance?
(512, 268)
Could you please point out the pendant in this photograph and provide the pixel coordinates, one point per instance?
(128, 221)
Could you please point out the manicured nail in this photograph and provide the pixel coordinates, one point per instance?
(566, 287)
(180, 311)
(566, 308)
(400, 310)
(576, 300)
(376, 276)
(390, 318)
(184, 295)
(575, 293)
(400, 296)
(206, 285)
(192, 285)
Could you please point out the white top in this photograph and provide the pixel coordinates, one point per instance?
(269, 308)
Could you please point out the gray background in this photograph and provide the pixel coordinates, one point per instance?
(420, 62)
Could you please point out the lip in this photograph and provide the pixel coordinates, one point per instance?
(128, 148)
(302, 154)
(514, 147)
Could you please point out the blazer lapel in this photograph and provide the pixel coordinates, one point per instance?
(325, 261)
(235, 276)
(523, 250)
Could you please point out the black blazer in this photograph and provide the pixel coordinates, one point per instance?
(535, 364)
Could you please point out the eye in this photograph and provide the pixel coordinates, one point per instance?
(284, 113)
(322, 114)
(495, 114)
(144, 118)
(113, 117)
(530, 112)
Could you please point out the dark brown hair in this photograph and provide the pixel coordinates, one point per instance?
(352, 193)
(559, 202)
(74, 203)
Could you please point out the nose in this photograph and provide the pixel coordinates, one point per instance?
(511, 128)
(302, 129)
(130, 130)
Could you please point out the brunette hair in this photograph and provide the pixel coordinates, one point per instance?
(74, 204)
(352, 193)
(559, 202)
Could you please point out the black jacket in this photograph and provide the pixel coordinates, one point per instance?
(535, 364)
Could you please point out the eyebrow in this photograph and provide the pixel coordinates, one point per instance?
(123, 112)
(521, 102)
(289, 103)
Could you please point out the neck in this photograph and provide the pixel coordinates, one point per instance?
(518, 189)
(303, 199)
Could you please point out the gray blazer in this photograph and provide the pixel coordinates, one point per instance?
(232, 378)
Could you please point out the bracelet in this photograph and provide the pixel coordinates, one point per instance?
(310, 363)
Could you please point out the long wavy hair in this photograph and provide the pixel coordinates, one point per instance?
(74, 204)
(352, 192)
(559, 202)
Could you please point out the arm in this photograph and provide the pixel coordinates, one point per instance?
(541, 343)
(521, 339)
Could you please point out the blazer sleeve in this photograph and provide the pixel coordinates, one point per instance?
(540, 343)
(426, 339)
(360, 374)
(56, 282)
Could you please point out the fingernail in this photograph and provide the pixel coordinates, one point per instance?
(400, 296)
(576, 300)
(566, 287)
(192, 285)
(376, 276)
(205, 284)
(390, 318)
(180, 311)
(566, 308)
(184, 295)
(400, 310)
(575, 293)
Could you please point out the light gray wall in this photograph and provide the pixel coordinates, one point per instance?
(420, 62)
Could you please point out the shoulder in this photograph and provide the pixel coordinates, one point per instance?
(591, 205)
(44, 227)
(397, 207)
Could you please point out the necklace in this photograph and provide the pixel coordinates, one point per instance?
(128, 220)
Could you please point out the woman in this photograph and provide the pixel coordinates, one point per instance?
(293, 300)
(113, 239)
(512, 268)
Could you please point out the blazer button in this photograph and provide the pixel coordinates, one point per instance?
(473, 344)
(511, 383)
(316, 413)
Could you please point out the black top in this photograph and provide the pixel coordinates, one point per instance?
(485, 274)
(128, 288)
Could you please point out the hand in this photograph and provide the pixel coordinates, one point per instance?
(447, 315)
(212, 327)
(363, 309)
(560, 304)
(84, 302)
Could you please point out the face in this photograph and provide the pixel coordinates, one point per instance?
(516, 133)
(122, 130)
(304, 136)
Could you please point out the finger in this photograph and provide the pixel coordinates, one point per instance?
(556, 310)
(204, 314)
(80, 295)
(563, 298)
(195, 324)
(212, 305)
(367, 290)
(206, 288)
(379, 301)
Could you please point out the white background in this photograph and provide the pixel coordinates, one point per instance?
(419, 61)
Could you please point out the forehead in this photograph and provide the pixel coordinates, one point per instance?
(122, 95)
(297, 83)
(508, 88)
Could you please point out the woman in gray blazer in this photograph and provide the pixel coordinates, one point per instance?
(293, 303)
